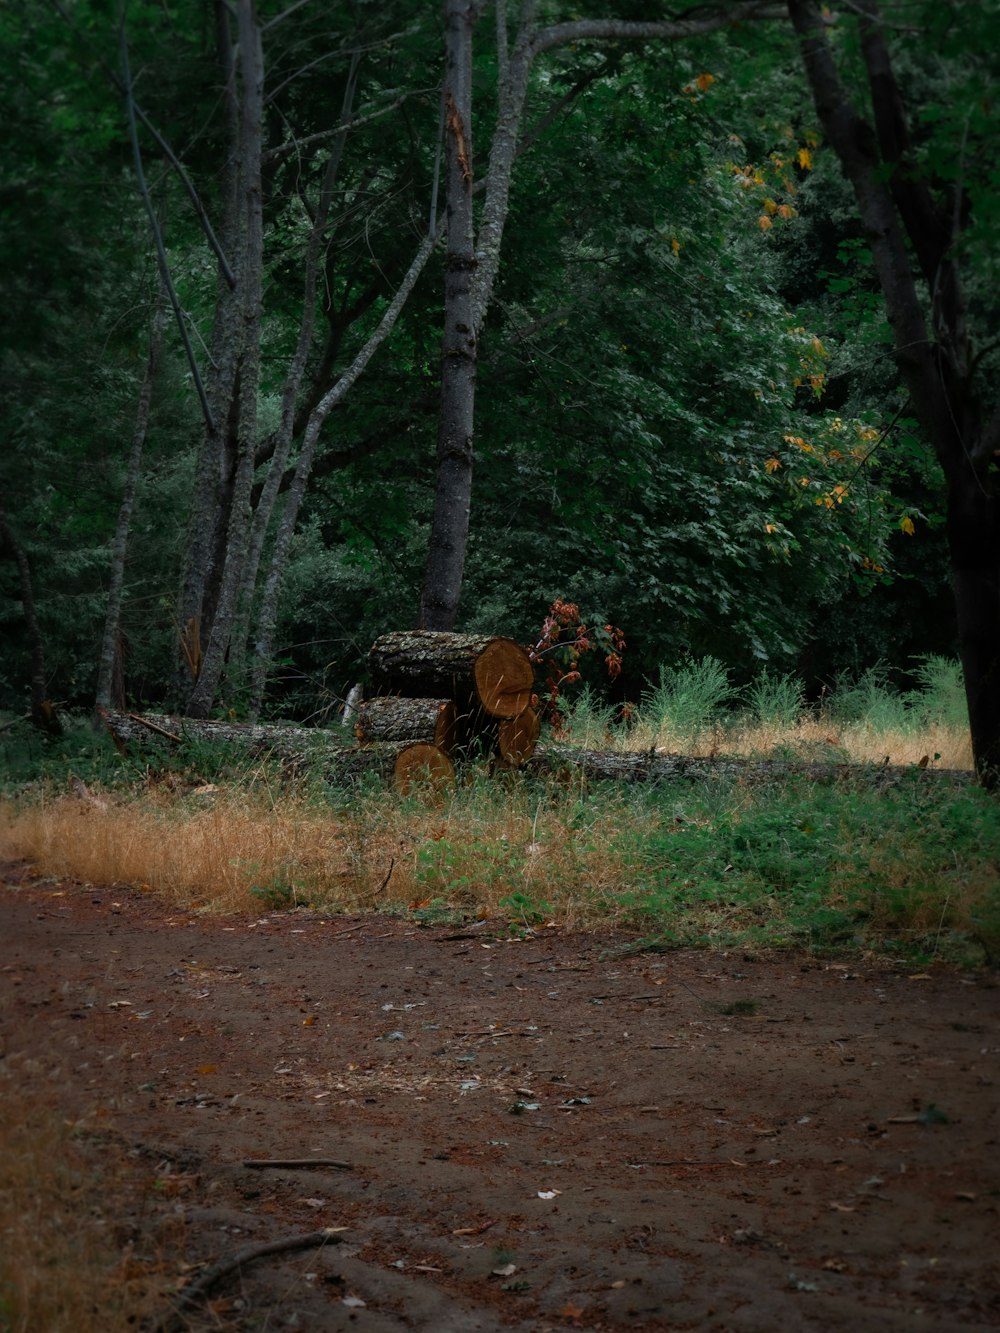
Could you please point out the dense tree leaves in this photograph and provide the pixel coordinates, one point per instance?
(689, 418)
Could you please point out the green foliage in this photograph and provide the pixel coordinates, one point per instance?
(689, 698)
(941, 694)
(829, 869)
(775, 700)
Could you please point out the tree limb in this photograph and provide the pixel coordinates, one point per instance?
(176, 1318)
(154, 223)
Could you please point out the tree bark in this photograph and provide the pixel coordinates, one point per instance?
(43, 713)
(268, 615)
(119, 549)
(250, 282)
(453, 495)
(209, 514)
(392, 719)
(476, 670)
(299, 750)
(651, 766)
(897, 204)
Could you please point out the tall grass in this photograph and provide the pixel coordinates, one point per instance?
(863, 719)
(912, 869)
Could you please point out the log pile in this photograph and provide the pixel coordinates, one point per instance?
(438, 697)
(463, 694)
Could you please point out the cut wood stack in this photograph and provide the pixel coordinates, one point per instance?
(436, 695)
(471, 692)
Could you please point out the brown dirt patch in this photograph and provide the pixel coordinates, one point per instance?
(684, 1141)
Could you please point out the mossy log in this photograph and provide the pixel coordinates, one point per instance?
(390, 718)
(654, 766)
(146, 729)
(473, 669)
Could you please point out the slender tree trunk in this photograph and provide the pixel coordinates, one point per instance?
(285, 433)
(896, 205)
(453, 497)
(250, 282)
(268, 615)
(209, 513)
(119, 548)
(43, 713)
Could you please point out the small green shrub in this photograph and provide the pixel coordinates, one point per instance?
(689, 698)
(940, 697)
(775, 701)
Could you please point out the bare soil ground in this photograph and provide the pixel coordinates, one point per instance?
(537, 1134)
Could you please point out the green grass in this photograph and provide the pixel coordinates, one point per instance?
(908, 870)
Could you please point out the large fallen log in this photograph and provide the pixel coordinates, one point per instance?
(473, 669)
(655, 766)
(389, 718)
(298, 749)
(145, 729)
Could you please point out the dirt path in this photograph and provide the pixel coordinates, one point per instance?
(540, 1133)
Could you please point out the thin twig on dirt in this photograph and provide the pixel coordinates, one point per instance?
(298, 1163)
(350, 930)
(702, 1166)
(175, 1318)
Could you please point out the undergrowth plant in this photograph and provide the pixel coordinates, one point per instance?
(688, 700)
(906, 868)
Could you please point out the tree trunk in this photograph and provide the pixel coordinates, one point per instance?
(896, 204)
(268, 615)
(250, 282)
(651, 766)
(391, 719)
(110, 642)
(453, 496)
(43, 713)
(494, 674)
(209, 515)
(298, 749)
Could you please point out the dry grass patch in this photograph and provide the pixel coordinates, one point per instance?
(62, 1265)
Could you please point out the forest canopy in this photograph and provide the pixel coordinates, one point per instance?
(325, 320)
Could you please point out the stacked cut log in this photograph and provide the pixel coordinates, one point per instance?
(438, 696)
(457, 692)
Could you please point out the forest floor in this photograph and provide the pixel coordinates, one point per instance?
(539, 1133)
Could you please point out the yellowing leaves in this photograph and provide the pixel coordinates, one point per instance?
(764, 222)
(675, 245)
(772, 465)
(906, 525)
(799, 442)
(804, 159)
(701, 84)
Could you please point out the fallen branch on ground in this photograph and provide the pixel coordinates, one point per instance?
(176, 1317)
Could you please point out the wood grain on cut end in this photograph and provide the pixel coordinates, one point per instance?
(517, 737)
(422, 765)
(504, 678)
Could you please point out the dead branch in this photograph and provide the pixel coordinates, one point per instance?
(176, 1318)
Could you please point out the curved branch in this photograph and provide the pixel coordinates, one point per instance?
(154, 222)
